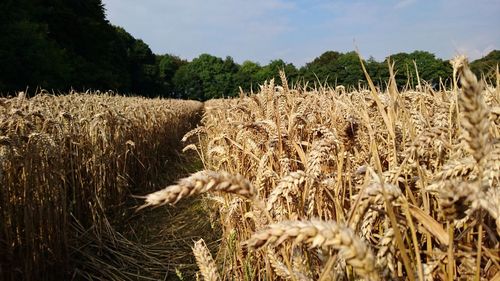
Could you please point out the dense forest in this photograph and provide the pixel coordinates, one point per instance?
(60, 45)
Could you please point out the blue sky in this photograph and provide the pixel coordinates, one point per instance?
(297, 31)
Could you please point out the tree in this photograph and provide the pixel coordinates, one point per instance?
(167, 67)
(93, 47)
(379, 72)
(206, 77)
(350, 72)
(57, 44)
(321, 68)
(487, 65)
(430, 68)
(246, 77)
(27, 58)
(187, 84)
(141, 65)
(337, 68)
(271, 71)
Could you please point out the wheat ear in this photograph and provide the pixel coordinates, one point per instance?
(205, 261)
(287, 184)
(324, 234)
(475, 113)
(201, 182)
(282, 270)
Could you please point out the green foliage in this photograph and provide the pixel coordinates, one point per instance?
(322, 68)
(487, 65)
(379, 72)
(345, 69)
(246, 77)
(92, 44)
(40, 62)
(167, 67)
(206, 77)
(350, 71)
(26, 55)
(429, 67)
(271, 71)
(334, 68)
(60, 44)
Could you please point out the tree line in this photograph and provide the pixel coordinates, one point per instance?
(69, 44)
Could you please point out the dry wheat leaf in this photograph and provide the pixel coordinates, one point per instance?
(430, 224)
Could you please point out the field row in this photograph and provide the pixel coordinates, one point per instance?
(75, 159)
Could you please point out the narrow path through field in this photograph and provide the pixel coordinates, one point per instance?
(153, 243)
(173, 229)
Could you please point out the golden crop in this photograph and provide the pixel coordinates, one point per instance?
(74, 158)
(335, 185)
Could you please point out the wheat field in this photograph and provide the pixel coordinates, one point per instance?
(329, 184)
(67, 165)
(303, 183)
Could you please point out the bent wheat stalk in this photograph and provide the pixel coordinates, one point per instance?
(200, 182)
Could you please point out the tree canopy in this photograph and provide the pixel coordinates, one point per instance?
(429, 68)
(59, 45)
(69, 44)
(206, 77)
(345, 69)
(487, 65)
